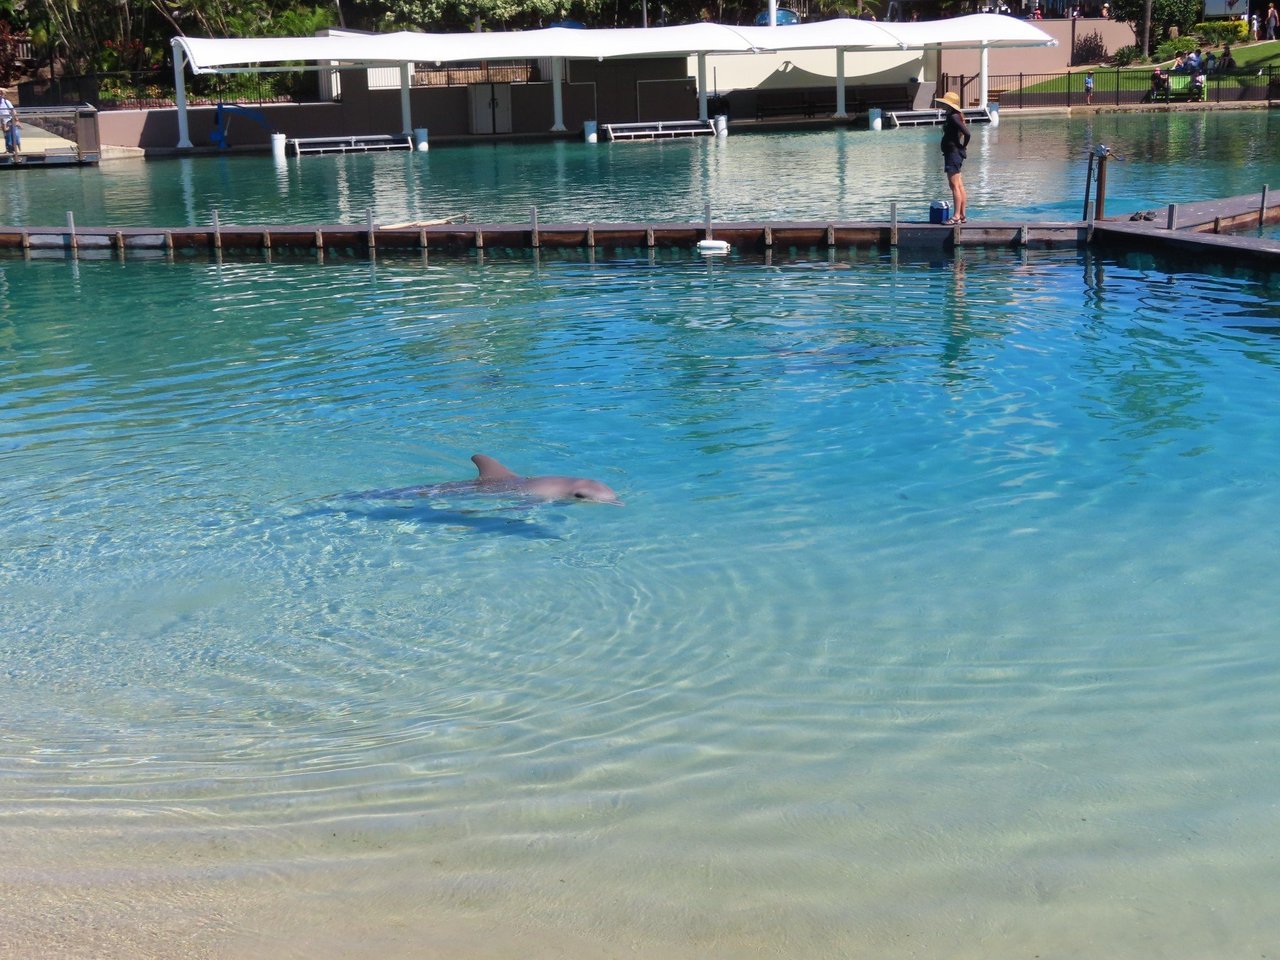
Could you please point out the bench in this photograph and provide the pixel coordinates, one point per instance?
(1177, 86)
(363, 144)
(793, 103)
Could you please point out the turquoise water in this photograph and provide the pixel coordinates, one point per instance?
(940, 619)
(939, 622)
(1022, 168)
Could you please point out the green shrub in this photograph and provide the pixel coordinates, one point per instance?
(1217, 32)
(1171, 48)
(1089, 49)
(1126, 56)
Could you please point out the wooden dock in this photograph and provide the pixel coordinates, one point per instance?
(1201, 228)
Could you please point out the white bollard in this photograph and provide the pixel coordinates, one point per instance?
(420, 139)
(721, 123)
(874, 118)
(589, 133)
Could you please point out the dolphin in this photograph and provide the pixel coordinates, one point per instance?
(494, 478)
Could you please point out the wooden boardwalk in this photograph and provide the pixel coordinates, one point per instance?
(1201, 228)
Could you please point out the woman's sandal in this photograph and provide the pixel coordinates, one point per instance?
(953, 221)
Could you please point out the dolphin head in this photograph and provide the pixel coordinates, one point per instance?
(594, 491)
(569, 488)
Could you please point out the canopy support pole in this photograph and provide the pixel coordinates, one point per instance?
(180, 96)
(406, 120)
(983, 78)
(840, 113)
(557, 94)
(702, 87)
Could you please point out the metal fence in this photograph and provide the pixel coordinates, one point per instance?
(1115, 87)
(134, 91)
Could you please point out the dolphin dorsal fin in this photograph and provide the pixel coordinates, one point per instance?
(491, 469)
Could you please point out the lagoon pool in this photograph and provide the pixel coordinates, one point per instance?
(1024, 168)
(939, 620)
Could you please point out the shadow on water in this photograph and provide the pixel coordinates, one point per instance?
(474, 521)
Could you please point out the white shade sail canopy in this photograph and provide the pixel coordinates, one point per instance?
(991, 31)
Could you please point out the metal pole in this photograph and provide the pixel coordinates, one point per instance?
(1100, 193)
(1088, 183)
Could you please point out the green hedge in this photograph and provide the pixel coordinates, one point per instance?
(1219, 32)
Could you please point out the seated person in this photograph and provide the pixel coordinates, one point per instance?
(1227, 61)
(1193, 62)
(1179, 64)
(1197, 86)
(1159, 82)
(1210, 62)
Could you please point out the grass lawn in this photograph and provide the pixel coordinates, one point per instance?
(1249, 59)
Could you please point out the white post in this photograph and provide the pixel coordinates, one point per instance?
(406, 122)
(557, 94)
(840, 106)
(180, 94)
(773, 13)
(982, 78)
(702, 87)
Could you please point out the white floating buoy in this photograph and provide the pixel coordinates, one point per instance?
(711, 245)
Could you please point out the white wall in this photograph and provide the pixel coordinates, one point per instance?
(804, 68)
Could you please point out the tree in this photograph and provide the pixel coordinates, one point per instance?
(1183, 14)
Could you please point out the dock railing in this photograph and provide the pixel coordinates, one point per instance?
(72, 134)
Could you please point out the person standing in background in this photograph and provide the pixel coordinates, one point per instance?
(9, 121)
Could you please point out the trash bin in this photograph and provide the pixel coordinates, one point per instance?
(939, 211)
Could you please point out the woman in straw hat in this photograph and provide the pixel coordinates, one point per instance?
(955, 138)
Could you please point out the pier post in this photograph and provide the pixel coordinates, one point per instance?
(180, 93)
(71, 232)
(702, 88)
(406, 121)
(840, 113)
(372, 239)
(1100, 191)
(533, 232)
(1262, 207)
(893, 223)
(557, 95)
(984, 77)
(1173, 217)
(217, 231)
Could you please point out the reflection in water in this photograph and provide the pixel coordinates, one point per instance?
(1030, 167)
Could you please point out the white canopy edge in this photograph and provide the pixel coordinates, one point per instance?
(990, 31)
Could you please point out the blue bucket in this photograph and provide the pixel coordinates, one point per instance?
(939, 211)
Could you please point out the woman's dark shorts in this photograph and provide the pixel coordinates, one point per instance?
(952, 160)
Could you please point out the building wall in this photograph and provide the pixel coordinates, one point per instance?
(1041, 59)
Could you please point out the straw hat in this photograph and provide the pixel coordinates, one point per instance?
(950, 98)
